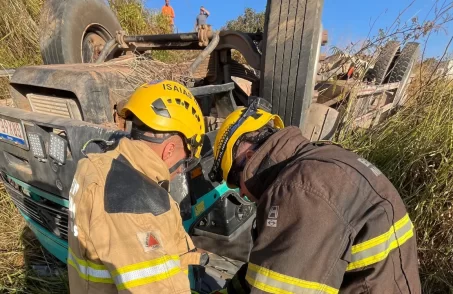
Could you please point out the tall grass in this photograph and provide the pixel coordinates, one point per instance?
(19, 44)
(414, 149)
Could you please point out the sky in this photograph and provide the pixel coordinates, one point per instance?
(346, 20)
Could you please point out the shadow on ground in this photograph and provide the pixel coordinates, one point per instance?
(43, 273)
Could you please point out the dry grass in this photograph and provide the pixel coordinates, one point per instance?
(414, 148)
(24, 264)
(19, 44)
(19, 41)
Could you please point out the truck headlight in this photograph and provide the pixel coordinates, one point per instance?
(37, 146)
(57, 148)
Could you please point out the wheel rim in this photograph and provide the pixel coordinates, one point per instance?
(93, 41)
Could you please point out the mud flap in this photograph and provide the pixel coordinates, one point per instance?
(321, 122)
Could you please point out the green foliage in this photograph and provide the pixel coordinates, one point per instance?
(135, 19)
(250, 22)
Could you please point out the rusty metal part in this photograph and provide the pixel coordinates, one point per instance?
(92, 46)
(120, 122)
(184, 37)
(108, 49)
(243, 43)
(120, 39)
(141, 46)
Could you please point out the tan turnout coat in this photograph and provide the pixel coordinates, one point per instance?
(125, 231)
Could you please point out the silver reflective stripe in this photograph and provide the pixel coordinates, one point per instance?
(89, 271)
(380, 248)
(273, 282)
(147, 272)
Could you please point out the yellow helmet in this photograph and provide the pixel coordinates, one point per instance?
(168, 106)
(239, 122)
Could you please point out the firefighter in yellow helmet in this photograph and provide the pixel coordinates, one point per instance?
(125, 231)
(327, 220)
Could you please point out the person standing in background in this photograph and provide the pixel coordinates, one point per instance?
(168, 11)
(202, 17)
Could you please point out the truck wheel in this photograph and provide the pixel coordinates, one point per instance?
(75, 31)
(291, 44)
(379, 73)
(403, 68)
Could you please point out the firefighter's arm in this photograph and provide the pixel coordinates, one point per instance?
(188, 253)
(82, 210)
(303, 244)
(80, 200)
(172, 13)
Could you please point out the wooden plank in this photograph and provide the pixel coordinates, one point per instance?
(373, 89)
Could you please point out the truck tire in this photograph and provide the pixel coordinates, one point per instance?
(74, 31)
(385, 61)
(291, 44)
(402, 70)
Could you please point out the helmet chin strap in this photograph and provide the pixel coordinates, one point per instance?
(176, 166)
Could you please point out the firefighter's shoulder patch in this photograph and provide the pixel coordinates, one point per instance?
(129, 191)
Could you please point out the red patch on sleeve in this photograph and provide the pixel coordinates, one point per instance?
(151, 241)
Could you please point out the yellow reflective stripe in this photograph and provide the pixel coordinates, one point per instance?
(264, 287)
(144, 264)
(381, 238)
(186, 272)
(261, 277)
(383, 255)
(84, 271)
(86, 263)
(148, 280)
(402, 231)
(146, 272)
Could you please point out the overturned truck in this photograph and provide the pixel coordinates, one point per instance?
(91, 69)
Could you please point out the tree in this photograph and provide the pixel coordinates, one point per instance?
(250, 22)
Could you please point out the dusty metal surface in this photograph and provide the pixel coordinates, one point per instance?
(94, 88)
(243, 43)
(6, 72)
(321, 122)
(54, 106)
(48, 175)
